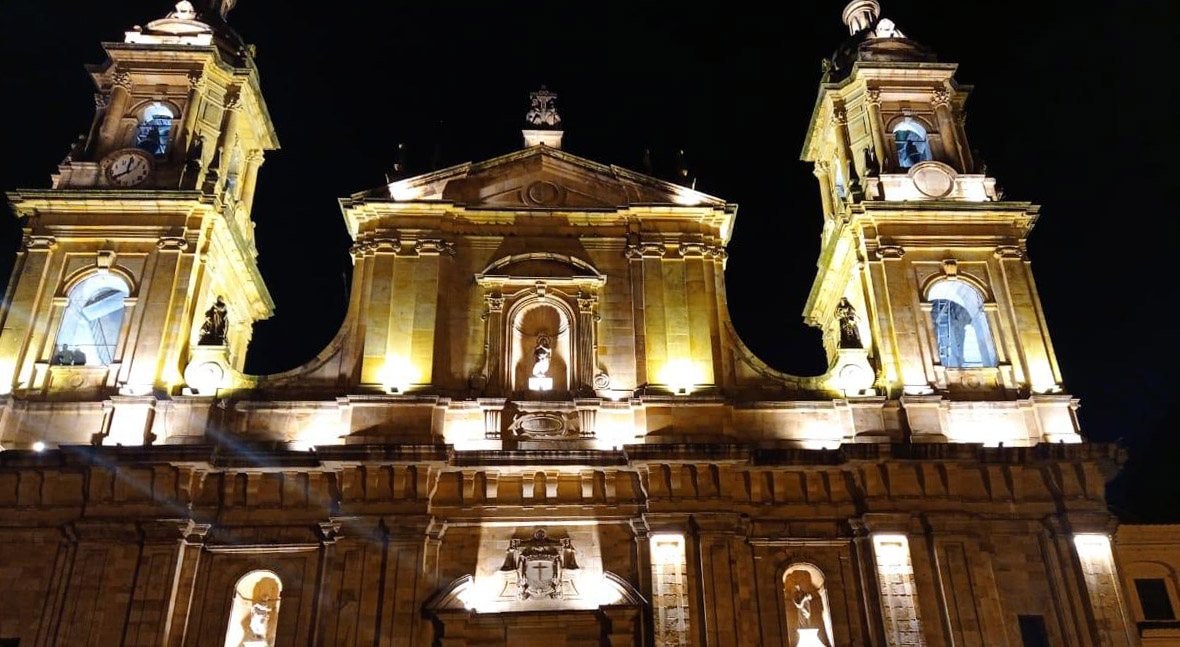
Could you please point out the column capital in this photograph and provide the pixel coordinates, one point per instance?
(120, 78)
(940, 98)
(873, 97)
(196, 81)
(233, 100)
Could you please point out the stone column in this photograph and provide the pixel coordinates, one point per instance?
(495, 340)
(822, 174)
(585, 343)
(844, 149)
(635, 274)
(862, 545)
(254, 161)
(886, 154)
(30, 299)
(715, 537)
(964, 148)
(941, 101)
(184, 579)
(116, 108)
(229, 133)
(196, 86)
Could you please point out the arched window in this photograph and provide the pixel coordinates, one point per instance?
(154, 129)
(960, 325)
(254, 614)
(90, 327)
(912, 144)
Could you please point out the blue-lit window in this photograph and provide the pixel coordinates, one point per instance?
(960, 326)
(154, 129)
(92, 321)
(912, 143)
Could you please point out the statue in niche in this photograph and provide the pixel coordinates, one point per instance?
(542, 356)
(216, 322)
(849, 332)
(802, 601)
(806, 610)
(543, 113)
(264, 601)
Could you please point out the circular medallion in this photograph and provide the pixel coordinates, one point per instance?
(933, 180)
(539, 425)
(543, 193)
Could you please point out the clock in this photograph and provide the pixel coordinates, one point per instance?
(128, 167)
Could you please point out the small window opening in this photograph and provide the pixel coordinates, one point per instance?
(154, 129)
(912, 143)
(1154, 600)
(92, 321)
(960, 326)
(1032, 631)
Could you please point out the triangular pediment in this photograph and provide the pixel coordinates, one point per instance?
(545, 178)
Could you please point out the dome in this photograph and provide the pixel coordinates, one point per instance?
(187, 25)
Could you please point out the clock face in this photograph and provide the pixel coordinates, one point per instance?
(127, 167)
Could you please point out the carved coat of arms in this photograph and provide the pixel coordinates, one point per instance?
(539, 564)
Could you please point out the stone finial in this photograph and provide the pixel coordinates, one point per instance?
(544, 124)
(859, 15)
(542, 113)
(184, 11)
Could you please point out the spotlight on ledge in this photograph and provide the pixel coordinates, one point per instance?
(38, 446)
(681, 376)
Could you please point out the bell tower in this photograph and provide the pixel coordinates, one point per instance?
(920, 244)
(139, 260)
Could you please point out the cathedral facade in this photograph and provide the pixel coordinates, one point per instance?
(538, 424)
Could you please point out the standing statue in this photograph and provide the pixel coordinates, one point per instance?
(542, 355)
(802, 601)
(543, 112)
(849, 333)
(216, 322)
(264, 602)
(872, 164)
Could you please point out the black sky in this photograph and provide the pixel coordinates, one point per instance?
(1072, 110)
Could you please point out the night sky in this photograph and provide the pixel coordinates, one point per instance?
(1070, 111)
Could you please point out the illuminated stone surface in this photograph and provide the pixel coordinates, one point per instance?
(411, 484)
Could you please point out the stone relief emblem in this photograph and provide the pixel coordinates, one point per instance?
(539, 564)
(546, 425)
(543, 113)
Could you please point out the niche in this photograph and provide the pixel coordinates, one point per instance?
(541, 348)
